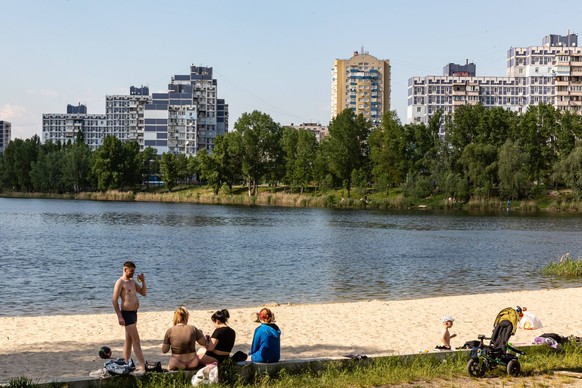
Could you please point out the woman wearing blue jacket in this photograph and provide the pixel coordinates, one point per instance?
(266, 346)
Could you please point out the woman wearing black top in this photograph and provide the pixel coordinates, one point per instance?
(220, 344)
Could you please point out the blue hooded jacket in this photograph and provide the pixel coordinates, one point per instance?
(266, 346)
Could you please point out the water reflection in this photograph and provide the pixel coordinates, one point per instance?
(64, 256)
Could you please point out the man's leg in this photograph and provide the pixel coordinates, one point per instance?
(134, 335)
(128, 344)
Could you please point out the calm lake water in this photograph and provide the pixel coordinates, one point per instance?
(63, 256)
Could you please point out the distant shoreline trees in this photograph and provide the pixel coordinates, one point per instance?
(485, 153)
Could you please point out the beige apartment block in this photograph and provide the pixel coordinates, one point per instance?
(362, 84)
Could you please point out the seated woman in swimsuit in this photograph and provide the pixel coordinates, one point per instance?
(219, 346)
(181, 339)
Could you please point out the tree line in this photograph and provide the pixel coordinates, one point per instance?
(484, 153)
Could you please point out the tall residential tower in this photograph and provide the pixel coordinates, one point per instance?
(362, 84)
(5, 134)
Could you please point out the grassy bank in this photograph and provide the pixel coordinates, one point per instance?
(538, 367)
(282, 196)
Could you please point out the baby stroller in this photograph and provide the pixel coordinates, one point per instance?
(498, 352)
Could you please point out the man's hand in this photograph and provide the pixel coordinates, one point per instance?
(121, 321)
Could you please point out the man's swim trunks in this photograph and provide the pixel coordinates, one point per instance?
(130, 317)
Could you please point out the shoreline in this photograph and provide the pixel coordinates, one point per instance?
(553, 202)
(66, 346)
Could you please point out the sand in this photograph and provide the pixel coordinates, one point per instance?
(48, 348)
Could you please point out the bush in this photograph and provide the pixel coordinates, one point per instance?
(566, 267)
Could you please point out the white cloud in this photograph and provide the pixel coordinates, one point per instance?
(43, 92)
(20, 118)
(11, 113)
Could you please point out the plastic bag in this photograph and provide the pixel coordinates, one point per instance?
(530, 322)
(206, 375)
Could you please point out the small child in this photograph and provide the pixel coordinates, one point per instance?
(447, 321)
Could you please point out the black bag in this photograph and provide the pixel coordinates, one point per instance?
(470, 345)
(239, 356)
(153, 366)
(558, 338)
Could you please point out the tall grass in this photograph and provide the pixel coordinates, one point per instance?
(566, 267)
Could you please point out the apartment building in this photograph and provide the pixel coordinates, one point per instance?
(549, 74)
(64, 127)
(320, 131)
(125, 115)
(362, 84)
(188, 117)
(185, 119)
(5, 134)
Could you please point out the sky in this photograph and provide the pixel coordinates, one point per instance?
(272, 56)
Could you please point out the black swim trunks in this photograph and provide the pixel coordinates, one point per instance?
(130, 317)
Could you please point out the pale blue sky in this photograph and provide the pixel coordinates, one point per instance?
(273, 56)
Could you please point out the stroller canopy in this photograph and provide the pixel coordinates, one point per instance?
(508, 314)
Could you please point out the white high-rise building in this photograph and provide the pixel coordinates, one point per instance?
(125, 115)
(550, 74)
(63, 128)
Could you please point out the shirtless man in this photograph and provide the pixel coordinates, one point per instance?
(127, 289)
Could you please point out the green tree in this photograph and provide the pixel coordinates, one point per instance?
(77, 167)
(182, 170)
(512, 170)
(389, 151)
(258, 138)
(480, 162)
(300, 148)
(347, 146)
(19, 156)
(130, 173)
(108, 164)
(536, 134)
(570, 169)
(149, 164)
(169, 170)
(226, 151)
(209, 169)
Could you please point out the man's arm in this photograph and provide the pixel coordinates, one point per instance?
(143, 288)
(115, 301)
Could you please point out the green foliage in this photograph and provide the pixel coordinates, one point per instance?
(512, 170)
(259, 149)
(347, 145)
(21, 382)
(570, 170)
(300, 150)
(566, 267)
(108, 164)
(169, 170)
(480, 163)
(485, 153)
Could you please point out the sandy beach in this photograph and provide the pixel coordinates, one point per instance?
(46, 348)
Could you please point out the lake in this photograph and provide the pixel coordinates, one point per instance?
(64, 256)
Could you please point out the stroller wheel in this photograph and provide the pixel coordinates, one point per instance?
(513, 368)
(475, 368)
